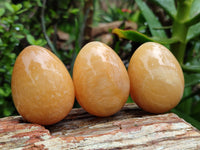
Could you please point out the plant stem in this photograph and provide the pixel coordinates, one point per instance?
(180, 32)
(44, 30)
(180, 29)
(178, 50)
(183, 10)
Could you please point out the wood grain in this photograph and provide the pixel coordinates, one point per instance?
(131, 128)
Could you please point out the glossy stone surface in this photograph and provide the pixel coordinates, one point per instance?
(100, 78)
(156, 78)
(42, 88)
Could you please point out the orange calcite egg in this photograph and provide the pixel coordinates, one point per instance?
(101, 80)
(42, 89)
(156, 78)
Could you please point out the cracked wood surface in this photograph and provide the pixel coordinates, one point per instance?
(131, 128)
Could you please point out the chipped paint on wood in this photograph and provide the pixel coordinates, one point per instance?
(131, 128)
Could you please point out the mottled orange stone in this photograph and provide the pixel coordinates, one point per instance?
(101, 80)
(156, 78)
(42, 88)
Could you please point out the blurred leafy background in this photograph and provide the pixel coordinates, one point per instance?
(64, 26)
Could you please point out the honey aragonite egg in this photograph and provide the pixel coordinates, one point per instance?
(42, 89)
(156, 78)
(101, 80)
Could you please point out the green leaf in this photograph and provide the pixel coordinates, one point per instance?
(5, 90)
(187, 118)
(2, 11)
(7, 112)
(9, 7)
(2, 70)
(168, 6)
(1, 42)
(1, 30)
(186, 102)
(193, 31)
(18, 26)
(151, 19)
(74, 10)
(30, 39)
(39, 3)
(132, 35)
(191, 79)
(2, 92)
(12, 56)
(17, 7)
(129, 100)
(27, 4)
(166, 40)
(195, 8)
(139, 37)
(135, 17)
(193, 12)
(19, 36)
(21, 11)
(40, 42)
(191, 68)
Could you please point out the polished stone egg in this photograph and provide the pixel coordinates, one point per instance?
(42, 89)
(156, 78)
(101, 80)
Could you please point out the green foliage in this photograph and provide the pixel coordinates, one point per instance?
(170, 8)
(33, 41)
(132, 35)
(13, 30)
(10, 33)
(113, 12)
(184, 43)
(151, 20)
(24, 24)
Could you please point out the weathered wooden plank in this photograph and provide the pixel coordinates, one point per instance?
(131, 128)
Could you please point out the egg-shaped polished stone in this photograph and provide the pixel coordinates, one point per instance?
(101, 80)
(156, 78)
(42, 88)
